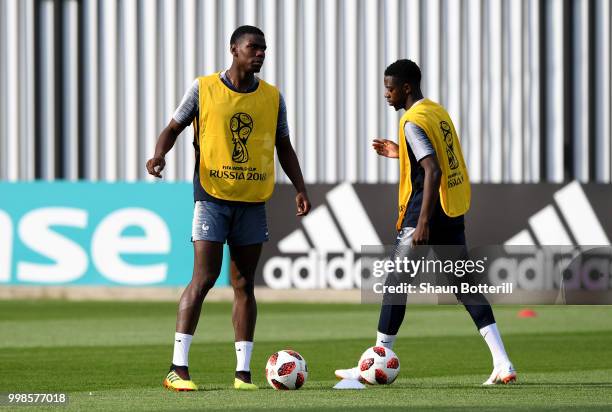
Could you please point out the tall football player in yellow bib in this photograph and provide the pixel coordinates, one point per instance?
(238, 120)
(434, 194)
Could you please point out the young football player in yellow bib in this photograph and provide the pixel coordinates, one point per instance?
(239, 120)
(434, 194)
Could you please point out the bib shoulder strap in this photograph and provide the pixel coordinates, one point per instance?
(207, 81)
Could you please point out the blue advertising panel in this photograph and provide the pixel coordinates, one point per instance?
(123, 234)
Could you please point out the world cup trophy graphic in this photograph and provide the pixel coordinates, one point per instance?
(453, 162)
(241, 125)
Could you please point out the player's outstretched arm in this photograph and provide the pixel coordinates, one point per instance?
(165, 142)
(291, 166)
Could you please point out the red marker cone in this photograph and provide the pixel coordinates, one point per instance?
(527, 313)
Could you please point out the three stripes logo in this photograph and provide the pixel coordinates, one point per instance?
(173, 377)
(325, 247)
(564, 248)
(569, 221)
(325, 251)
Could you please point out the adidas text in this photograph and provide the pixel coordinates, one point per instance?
(314, 271)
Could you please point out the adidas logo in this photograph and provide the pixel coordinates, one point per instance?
(569, 221)
(336, 234)
(563, 243)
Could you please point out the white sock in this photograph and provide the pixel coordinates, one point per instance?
(496, 346)
(385, 340)
(182, 342)
(243, 355)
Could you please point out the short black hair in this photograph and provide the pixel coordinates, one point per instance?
(406, 71)
(242, 30)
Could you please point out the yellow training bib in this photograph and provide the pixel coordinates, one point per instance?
(455, 189)
(237, 134)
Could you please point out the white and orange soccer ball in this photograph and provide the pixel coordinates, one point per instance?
(379, 366)
(286, 369)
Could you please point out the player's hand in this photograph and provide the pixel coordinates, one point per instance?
(155, 166)
(303, 204)
(420, 235)
(386, 148)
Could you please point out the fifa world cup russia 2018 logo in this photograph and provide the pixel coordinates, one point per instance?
(453, 162)
(241, 125)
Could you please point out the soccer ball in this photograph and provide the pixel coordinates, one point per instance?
(379, 365)
(286, 369)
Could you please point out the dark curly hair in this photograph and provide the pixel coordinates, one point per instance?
(242, 30)
(405, 71)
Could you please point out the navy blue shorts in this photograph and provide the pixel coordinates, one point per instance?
(449, 235)
(237, 225)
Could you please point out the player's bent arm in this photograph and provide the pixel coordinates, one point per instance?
(386, 148)
(291, 166)
(431, 186)
(167, 138)
(165, 142)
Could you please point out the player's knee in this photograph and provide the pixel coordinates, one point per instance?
(203, 283)
(471, 299)
(242, 286)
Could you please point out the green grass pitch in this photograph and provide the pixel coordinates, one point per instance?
(113, 356)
